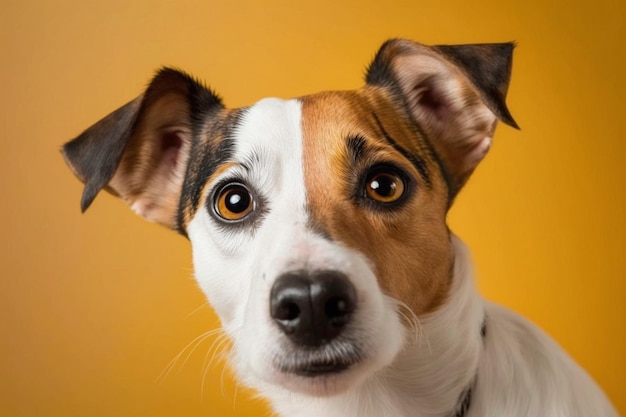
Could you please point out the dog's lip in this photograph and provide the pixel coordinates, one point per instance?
(321, 368)
(327, 360)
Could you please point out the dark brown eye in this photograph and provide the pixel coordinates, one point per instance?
(384, 186)
(234, 202)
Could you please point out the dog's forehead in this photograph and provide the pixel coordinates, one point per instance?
(336, 116)
(322, 124)
(270, 127)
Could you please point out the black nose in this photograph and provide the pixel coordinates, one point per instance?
(312, 308)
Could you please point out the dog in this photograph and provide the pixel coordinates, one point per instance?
(319, 236)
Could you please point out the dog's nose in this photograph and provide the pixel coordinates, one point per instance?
(312, 308)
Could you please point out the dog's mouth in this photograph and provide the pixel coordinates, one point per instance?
(321, 368)
(314, 364)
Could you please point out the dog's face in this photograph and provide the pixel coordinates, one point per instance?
(317, 224)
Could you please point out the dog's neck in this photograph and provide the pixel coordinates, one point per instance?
(430, 377)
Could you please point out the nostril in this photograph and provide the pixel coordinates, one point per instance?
(288, 311)
(338, 309)
(289, 300)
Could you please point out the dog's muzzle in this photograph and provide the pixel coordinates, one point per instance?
(312, 307)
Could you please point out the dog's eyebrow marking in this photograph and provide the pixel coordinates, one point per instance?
(418, 162)
(356, 146)
(251, 161)
(247, 166)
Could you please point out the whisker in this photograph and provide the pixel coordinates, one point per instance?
(414, 324)
(222, 385)
(219, 345)
(195, 343)
(235, 392)
(198, 344)
(219, 348)
(194, 348)
(197, 309)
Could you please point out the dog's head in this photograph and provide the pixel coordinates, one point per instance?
(314, 221)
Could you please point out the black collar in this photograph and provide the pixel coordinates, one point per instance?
(466, 397)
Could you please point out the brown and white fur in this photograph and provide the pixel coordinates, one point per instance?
(341, 199)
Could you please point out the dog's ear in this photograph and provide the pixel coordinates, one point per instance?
(454, 94)
(140, 151)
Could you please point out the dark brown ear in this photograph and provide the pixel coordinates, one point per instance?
(140, 151)
(454, 93)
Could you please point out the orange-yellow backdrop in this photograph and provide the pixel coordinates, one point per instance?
(94, 307)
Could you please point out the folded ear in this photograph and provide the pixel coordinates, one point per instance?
(454, 93)
(140, 151)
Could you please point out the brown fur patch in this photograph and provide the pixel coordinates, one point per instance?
(409, 245)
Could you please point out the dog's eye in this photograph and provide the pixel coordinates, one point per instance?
(234, 202)
(384, 185)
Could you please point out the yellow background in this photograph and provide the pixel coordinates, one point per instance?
(94, 307)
